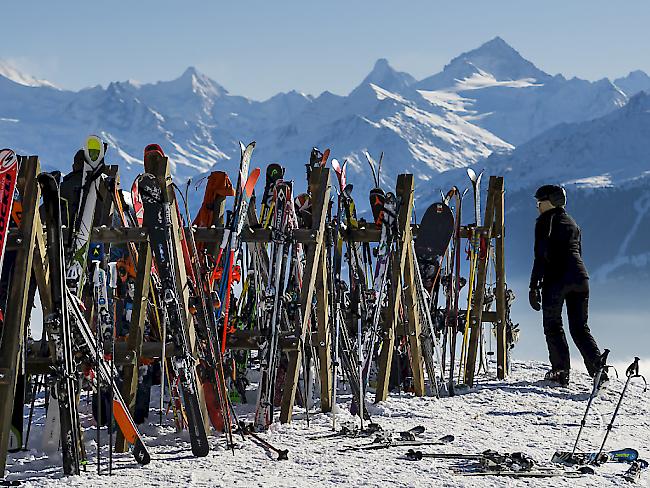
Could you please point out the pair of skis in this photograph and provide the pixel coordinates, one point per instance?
(158, 220)
(70, 333)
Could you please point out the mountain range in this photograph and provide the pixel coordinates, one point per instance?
(488, 108)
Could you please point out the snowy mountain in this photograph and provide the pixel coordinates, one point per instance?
(7, 70)
(605, 166)
(484, 103)
(634, 82)
(496, 88)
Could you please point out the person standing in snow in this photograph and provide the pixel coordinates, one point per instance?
(559, 275)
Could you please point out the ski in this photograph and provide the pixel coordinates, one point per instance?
(57, 324)
(84, 343)
(400, 443)
(626, 455)
(525, 474)
(8, 178)
(157, 219)
(269, 351)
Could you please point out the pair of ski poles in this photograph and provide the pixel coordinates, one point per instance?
(631, 373)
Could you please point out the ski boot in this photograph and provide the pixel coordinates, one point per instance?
(559, 376)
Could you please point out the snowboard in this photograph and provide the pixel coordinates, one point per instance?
(434, 233)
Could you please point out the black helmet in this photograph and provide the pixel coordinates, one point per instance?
(553, 193)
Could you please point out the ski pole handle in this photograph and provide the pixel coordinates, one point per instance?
(633, 369)
(603, 357)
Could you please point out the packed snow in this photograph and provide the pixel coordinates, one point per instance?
(523, 413)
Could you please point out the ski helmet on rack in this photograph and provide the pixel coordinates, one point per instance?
(553, 193)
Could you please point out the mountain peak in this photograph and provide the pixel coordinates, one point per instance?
(495, 58)
(198, 83)
(385, 76)
(9, 71)
(635, 82)
(499, 59)
(191, 72)
(497, 43)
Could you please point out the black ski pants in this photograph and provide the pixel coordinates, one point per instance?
(576, 296)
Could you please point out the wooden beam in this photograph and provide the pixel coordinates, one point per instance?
(413, 327)
(324, 343)
(500, 271)
(478, 295)
(136, 335)
(320, 194)
(215, 234)
(18, 292)
(404, 192)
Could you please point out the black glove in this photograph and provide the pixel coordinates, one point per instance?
(535, 299)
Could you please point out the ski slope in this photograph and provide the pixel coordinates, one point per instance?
(520, 414)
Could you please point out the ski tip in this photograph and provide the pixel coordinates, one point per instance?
(251, 182)
(140, 453)
(325, 157)
(94, 150)
(471, 173)
(7, 159)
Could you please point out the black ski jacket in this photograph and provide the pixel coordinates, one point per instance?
(558, 250)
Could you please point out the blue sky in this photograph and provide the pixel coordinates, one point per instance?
(257, 48)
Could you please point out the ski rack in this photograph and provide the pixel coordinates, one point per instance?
(492, 228)
(313, 285)
(401, 291)
(28, 243)
(402, 282)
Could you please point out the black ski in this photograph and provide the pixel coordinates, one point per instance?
(157, 219)
(57, 324)
(400, 443)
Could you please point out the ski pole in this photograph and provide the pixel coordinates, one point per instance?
(35, 390)
(602, 367)
(631, 372)
(282, 453)
(98, 352)
(113, 286)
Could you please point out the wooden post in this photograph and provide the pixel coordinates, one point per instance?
(320, 194)
(17, 314)
(500, 271)
(324, 338)
(136, 335)
(476, 312)
(413, 324)
(404, 192)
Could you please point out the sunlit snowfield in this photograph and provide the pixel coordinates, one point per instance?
(522, 414)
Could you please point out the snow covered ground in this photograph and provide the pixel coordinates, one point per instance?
(520, 414)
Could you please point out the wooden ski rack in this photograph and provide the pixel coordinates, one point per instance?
(30, 263)
(492, 228)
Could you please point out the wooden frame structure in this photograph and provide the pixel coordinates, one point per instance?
(402, 291)
(492, 228)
